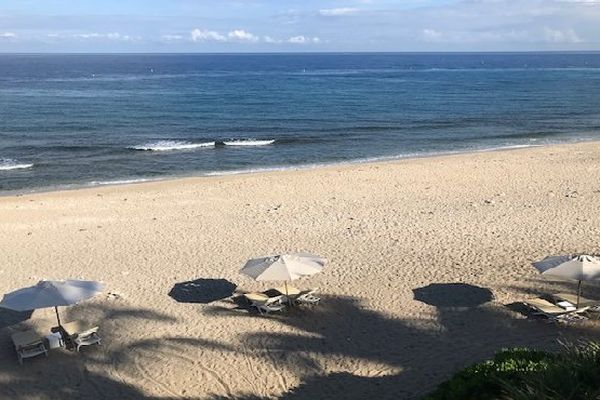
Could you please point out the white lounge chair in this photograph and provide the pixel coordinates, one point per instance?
(77, 335)
(572, 298)
(265, 304)
(554, 312)
(298, 296)
(28, 344)
(308, 297)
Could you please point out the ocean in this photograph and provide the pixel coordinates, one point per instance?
(83, 120)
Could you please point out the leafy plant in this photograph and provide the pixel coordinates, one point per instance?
(525, 374)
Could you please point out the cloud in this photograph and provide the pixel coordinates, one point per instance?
(532, 36)
(203, 35)
(242, 35)
(342, 25)
(561, 36)
(104, 36)
(431, 35)
(172, 38)
(269, 39)
(300, 39)
(336, 12)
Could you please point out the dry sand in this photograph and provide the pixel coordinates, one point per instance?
(387, 228)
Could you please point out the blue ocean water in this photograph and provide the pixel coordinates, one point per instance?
(71, 120)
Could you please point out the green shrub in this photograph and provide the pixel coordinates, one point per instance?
(485, 380)
(523, 374)
(574, 375)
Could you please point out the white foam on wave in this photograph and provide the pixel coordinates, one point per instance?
(171, 145)
(367, 160)
(511, 146)
(248, 142)
(8, 164)
(118, 182)
(265, 169)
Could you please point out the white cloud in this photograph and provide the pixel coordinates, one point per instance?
(242, 35)
(531, 36)
(171, 38)
(561, 36)
(347, 25)
(203, 35)
(103, 36)
(431, 35)
(269, 39)
(300, 39)
(336, 12)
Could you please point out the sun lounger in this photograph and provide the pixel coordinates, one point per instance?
(299, 296)
(547, 309)
(572, 298)
(28, 344)
(308, 297)
(76, 335)
(291, 291)
(265, 304)
(544, 307)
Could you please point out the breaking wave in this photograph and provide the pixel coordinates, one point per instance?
(8, 164)
(248, 142)
(171, 145)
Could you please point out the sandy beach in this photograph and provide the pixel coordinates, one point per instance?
(386, 229)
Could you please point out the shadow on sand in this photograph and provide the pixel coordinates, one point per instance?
(444, 295)
(202, 290)
(94, 373)
(396, 358)
(373, 354)
(10, 317)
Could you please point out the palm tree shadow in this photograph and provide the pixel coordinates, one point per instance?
(383, 355)
(397, 358)
(95, 372)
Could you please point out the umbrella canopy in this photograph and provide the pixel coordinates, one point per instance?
(580, 268)
(286, 267)
(50, 294)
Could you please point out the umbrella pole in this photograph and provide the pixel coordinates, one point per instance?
(578, 293)
(287, 296)
(57, 316)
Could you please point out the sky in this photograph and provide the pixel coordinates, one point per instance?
(96, 26)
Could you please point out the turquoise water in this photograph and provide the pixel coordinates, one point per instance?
(73, 120)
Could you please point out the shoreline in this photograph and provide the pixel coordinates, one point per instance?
(125, 182)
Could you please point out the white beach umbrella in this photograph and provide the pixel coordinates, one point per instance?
(46, 294)
(579, 267)
(285, 267)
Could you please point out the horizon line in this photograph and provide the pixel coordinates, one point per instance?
(311, 52)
